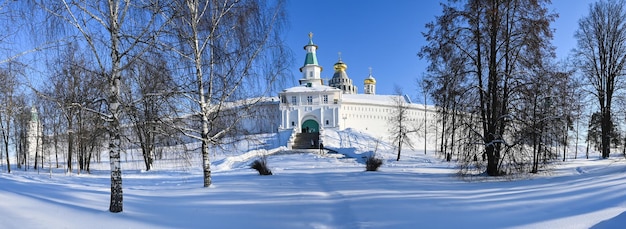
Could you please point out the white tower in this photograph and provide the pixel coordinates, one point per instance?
(370, 84)
(34, 140)
(311, 70)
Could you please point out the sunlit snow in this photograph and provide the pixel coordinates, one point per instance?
(309, 190)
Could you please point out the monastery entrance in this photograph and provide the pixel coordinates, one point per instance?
(310, 135)
(310, 126)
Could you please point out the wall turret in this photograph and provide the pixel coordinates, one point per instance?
(370, 84)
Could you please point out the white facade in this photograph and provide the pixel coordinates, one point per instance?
(313, 106)
(315, 103)
(372, 113)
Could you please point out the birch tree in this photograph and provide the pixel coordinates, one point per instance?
(115, 32)
(601, 53)
(231, 50)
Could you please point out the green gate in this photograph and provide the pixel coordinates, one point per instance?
(310, 126)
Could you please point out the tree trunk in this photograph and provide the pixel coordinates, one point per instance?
(399, 148)
(36, 153)
(492, 161)
(587, 152)
(444, 118)
(624, 148)
(576, 145)
(116, 203)
(70, 149)
(606, 132)
(565, 142)
(147, 159)
(6, 150)
(206, 163)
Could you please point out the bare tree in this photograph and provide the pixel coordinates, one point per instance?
(6, 115)
(445, 83)
(19, 126)
(116, 32)
(10, 108)
(149, 99)
(491, 44)
(232, 51)
(74, 89)
(400, 122)
(601, 56)
(52, 131)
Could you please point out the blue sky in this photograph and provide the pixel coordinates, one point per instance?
(386, 35)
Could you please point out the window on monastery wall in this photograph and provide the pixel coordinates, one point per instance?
(310, 74)
(325, 98)
(309, 99)
(327, 122)
(294, 100)
(283, 99)
(335, 101)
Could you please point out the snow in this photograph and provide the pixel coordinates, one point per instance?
(309, 190)
(384, 100)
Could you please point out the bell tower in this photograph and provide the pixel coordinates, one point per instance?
(311, 70)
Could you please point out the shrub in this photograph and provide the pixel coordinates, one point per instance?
(372, 163)
(261, 166)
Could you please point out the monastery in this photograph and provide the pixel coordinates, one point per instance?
(309, 108)
(314, 105)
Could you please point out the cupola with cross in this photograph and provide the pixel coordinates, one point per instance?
(311, 70)
(340, 78)
(370, 84)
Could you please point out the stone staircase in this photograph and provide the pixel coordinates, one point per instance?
(303, 141)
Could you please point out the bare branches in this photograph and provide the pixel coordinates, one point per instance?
(222, 44)
(601, 56)
(479, 51)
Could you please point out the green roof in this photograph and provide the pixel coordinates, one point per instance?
(311, 58)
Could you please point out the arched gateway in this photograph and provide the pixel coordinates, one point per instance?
(310, 126)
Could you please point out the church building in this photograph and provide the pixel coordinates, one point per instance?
(314, 106)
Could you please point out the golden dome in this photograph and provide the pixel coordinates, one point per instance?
(340, 66)
(370, 79)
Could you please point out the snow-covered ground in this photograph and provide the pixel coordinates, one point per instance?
(314, 191)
